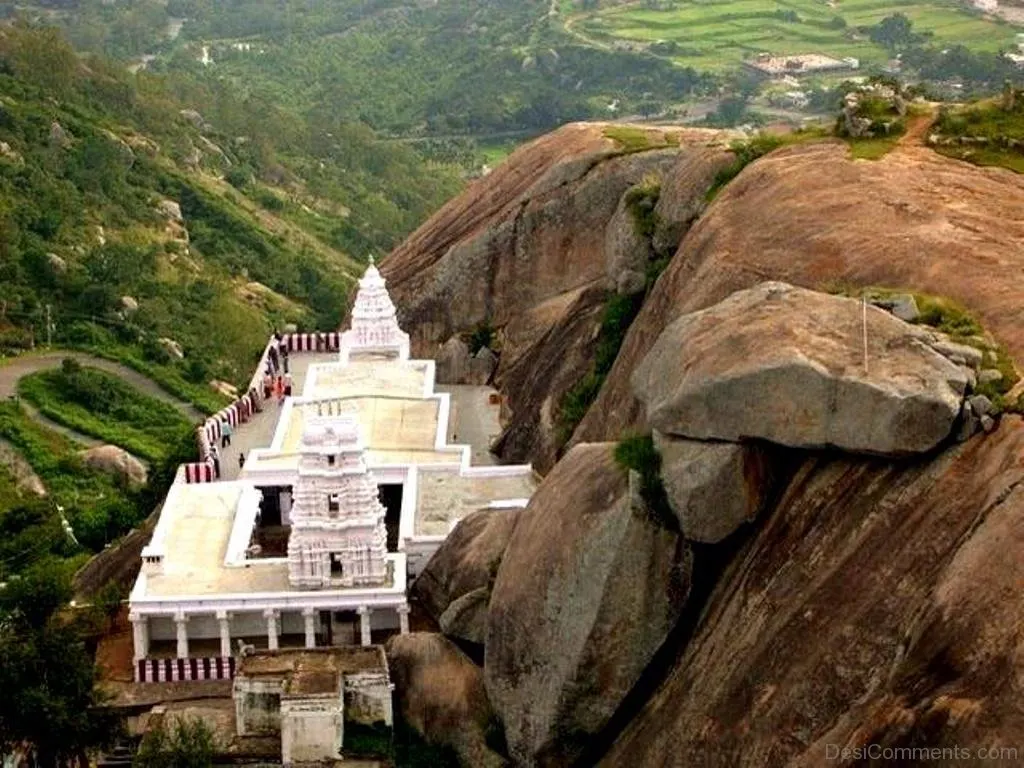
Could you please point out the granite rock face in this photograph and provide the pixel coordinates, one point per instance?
(713, 488)
(878, 604)
(454, 586)
(439, 692)
(523, 251)
(786, 365)
(589, 588)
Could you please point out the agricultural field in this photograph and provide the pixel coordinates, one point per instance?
(718, 35)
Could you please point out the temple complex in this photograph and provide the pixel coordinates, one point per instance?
(345, 490)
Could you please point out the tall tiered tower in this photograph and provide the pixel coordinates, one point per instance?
(338, 537)
(374, 321)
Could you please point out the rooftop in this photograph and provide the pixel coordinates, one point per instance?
(444, 497)
(195, 526)
(313, 671)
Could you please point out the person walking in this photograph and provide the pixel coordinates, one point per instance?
(279, 389)
(225, 433)
(287, 385)
(268, 385)
(241, 460)
(215, 455)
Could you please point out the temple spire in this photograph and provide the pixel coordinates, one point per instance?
(374, 327)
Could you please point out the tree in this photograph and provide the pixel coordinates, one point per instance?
(46, 673)
(187, 744)
(894, 32)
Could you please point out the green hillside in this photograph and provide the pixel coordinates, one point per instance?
(275, 215)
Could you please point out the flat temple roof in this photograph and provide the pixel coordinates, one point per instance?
(443, 497)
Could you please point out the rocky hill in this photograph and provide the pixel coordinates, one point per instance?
(788, 521)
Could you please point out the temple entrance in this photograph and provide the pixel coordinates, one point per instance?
(273, 525)
(391, 497)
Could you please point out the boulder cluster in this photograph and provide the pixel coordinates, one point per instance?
(568, 601)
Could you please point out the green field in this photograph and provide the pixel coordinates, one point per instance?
(716, 36)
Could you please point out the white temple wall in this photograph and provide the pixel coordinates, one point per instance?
(312, 729)
(368, 698)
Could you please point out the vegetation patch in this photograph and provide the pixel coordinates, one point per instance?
(641, 201)
(186, 743)
(632, 139)
(744, 153)
(990, 132)
(638, 453)
(619, 313)
(872, 148)
(99, 404)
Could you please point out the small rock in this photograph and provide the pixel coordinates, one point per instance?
(224, 388)
(980, 404)
(101, 235)
(59, 136)
(129, 303)
(972, 378)
(10, 154)
(116, 461)
(905, 307)
(969, 424)
(193, 117)
(173, 348)
(989, 375)
(170, 209)
(629, 281)
(57, 264)
(988, 423)
(959, 352)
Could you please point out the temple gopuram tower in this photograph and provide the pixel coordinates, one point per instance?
(338, 537)
(374, 327)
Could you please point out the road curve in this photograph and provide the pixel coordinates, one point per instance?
(12, 371)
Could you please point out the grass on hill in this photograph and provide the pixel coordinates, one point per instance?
(638, 453)
(98, 506)
(988, 132)
(99, 404)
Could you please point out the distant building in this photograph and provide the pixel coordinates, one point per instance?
(802, 64)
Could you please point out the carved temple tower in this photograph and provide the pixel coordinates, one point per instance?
(338, 537)
(374, 327)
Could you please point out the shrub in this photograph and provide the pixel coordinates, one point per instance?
(640, 202)
(639, 454)
(745, 152)
(187, 744)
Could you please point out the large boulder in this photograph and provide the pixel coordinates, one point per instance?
(713, 488)
(787, 365)
(116, 461)
(812, 215)
(879, 604)
(590, 586)
(440, 693)
(454, 586)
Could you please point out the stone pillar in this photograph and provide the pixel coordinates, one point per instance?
(364, 624)
(224, 619)
(286, 507)
(181, 625)
(403, 618)
(271, 616)
(309, 616)
(140, 635)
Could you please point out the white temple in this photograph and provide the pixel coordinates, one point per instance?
(346, 491)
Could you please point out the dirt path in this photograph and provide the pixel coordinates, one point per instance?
(14, 370)
(916, 135)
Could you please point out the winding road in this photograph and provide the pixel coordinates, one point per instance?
(14, 370)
